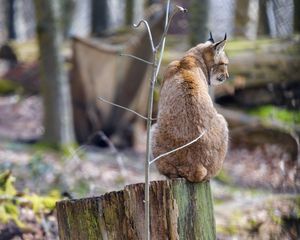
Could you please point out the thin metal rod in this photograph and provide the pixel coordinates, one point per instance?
(155, 70)
(148, 151)
(137, 58)
(179, 148)
(177, 10)
(149, 32)
(125, 108)
(164, 41)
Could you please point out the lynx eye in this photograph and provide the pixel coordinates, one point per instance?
(223, 64)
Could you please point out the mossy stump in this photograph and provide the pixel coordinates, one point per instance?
(178, 210)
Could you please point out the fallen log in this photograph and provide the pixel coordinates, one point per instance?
(247, 130)
(178, 210)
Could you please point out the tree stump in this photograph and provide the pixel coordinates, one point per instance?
(178, 210)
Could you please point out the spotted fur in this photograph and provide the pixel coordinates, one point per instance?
(186, 110)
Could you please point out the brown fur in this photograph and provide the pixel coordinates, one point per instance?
(186, 110)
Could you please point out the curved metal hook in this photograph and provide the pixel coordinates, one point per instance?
(149, 32)
(177, 10)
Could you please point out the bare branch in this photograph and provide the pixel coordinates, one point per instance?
(149, 32)
(125, 108)
(114, 150)
(179, 148)
(137, 58)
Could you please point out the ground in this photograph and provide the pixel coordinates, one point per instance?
(90, 171)
(254, 194)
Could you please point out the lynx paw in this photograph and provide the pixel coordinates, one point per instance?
(192, 173)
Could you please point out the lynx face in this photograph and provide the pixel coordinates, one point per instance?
(219, 71)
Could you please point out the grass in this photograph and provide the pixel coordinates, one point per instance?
(272, 112)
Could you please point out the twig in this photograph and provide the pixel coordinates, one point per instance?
(179, 148)
(114, 150)
(45, 226)
(125, 108)
(74, 154)
(137, 58)
(149, 32)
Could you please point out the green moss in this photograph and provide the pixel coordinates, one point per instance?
(6, 184)
(293, 50)
(26, 51)
(218, 201)
(66, 150)
(230, 230)
(196, 210)
(237, 46)
(283, 115)
(9, 87)
(224, 177)
(82, 187)
(296, 200)
(275, 218)
(12, 201)
(252, 223)
(41, 203)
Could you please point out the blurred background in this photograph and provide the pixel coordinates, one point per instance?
(58, 140)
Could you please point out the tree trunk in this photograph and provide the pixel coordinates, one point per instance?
(199, 11)
(263, 25)
(99, 17)
(178, 209)
(129, 11)
(11, 19)
(296, 16)
(55, 86)
(134, 11)
(241, 17)
(252, 24)
(3, 21)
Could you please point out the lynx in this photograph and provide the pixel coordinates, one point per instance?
(186, 110)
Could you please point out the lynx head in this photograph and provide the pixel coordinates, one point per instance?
(216, 60)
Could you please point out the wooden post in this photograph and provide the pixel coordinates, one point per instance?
(178, 209)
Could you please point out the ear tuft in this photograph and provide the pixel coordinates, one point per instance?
(211, 38)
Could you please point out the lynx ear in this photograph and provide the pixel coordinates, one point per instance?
(219, 46)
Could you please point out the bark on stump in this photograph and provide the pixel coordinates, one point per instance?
(178, 209)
